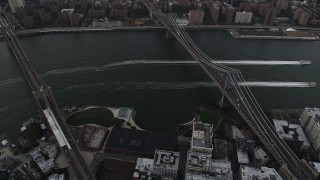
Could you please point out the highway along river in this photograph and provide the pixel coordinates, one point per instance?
(101, 69)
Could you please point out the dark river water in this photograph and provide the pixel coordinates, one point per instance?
(105, 69)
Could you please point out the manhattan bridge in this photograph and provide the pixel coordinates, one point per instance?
(227, 80)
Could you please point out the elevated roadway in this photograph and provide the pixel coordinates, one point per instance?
(45, 102)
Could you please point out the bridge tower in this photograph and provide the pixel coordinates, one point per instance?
(151, 14)
(169, 35)
(224, 102)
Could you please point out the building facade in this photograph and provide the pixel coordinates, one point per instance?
(307, 114)
(166, 164)
(313, 132)
(243, 17)
(196, 17)
(14, 4)
(201, 137)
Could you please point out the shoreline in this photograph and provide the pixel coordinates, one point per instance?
(236, 34)
(114, 110)
(230, 28)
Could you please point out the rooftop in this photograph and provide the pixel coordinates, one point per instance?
(249, 173)
(44, 165)
(290, 131)
(206, 141)
(198, 126)
(312, 111)
(68, 10)
(259, 153)
(243, 157)
(56, 177)
(143, 168)
(236, 133)
(202, 163)
(166, 159)
(316, 166)
(144, 164)
(221, 168)
(197, 161)
(140, 141)
(220, 148)
(193, 176)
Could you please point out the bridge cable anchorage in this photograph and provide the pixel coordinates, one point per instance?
(45, 101)
(239, 96)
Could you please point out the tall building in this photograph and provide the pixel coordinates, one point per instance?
(64, 16)
(243, 17)
(297, 14)
(14, 4)
(292, 134)
(249, 6)
(196, 17)
(75, 20)
(228, 13)
(201, 137)
(45, 17)
(214, 12)
(119, 11)
(183, 3)
(304, 18)
(308, 114)
(170, 7)
(166, 164)
(282, 5)
(21, 12)
(263, 8)
(28, 22)
(313, 132)
(270, 16)
(285, 173)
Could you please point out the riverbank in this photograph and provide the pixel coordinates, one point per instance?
(109, 115)
(279, 34)
(233, 29)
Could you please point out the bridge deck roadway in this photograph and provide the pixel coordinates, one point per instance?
(44, 99)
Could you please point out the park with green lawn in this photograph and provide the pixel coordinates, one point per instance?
(210, 117)
(98, 115)
(217, 118)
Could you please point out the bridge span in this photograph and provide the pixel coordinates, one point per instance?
(228, 80)
(47, 105)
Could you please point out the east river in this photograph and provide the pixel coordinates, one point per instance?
(102, 69)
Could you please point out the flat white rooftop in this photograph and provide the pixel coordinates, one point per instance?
(295, 131)
(144, 164)
(252, 173)
(243, 157)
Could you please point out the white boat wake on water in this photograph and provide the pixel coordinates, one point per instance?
(121, 64)
(163, 85)
(184, 85)
(171, 62)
